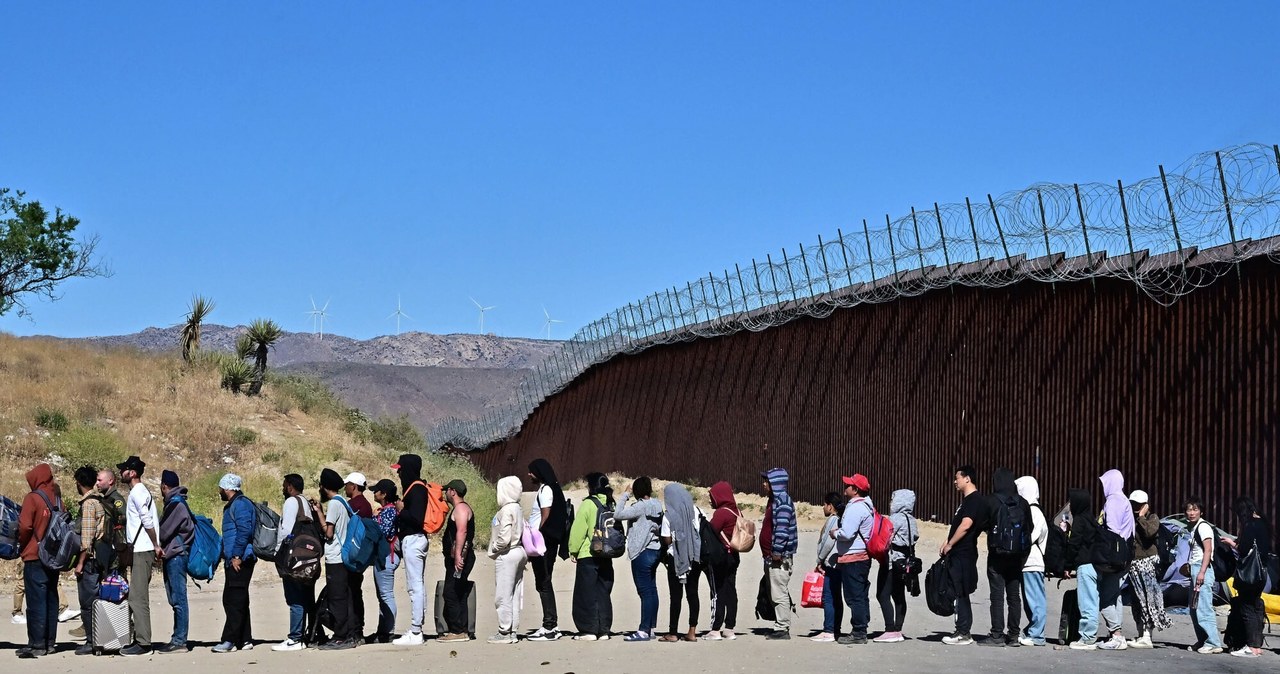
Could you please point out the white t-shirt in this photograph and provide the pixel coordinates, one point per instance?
(544, 499)
(336, 513)
(289, 516)
(1205, 533)
(140, 513)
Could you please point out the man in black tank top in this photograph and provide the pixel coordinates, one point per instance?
(459, 558)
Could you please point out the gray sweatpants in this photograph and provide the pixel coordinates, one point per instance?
(509, 589)
(779, 591)
(140, 596)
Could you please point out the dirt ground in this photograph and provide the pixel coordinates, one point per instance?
(922, 652)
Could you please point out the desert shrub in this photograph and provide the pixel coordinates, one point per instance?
(243, 436)
(359, 425)
(89, 446)
(53, 420)
(397, 435)
(304, 393)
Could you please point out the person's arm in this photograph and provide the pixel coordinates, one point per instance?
(826, 544)
(544, 510)
(849, 525)
(628, 512)
(1207, 544)
(289, 516)
(965, 525)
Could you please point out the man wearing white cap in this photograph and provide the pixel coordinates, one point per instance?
(1148, 598)
(354, 489)
(239, 519)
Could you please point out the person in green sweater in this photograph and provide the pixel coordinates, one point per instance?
(593, 580)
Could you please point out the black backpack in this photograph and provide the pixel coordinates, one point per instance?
(1166, 547)
(713, 553)
(1224, 558)
(607, 537)
(1056, 563)
(939, 593)
(1111, 552)
(1010, 533)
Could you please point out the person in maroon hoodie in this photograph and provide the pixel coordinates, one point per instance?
(726, 577)
(41, 584)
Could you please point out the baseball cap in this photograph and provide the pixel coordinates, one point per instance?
(858, 481)
(357, 479)
(458, 486)
(1139, 496)
(384, 486)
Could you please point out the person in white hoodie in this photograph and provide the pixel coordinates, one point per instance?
(1033, 595)
(510, 558)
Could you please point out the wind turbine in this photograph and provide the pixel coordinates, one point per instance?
(317, 317)
(482, 310)
(398, 315)
(547, 324)
(314, 314)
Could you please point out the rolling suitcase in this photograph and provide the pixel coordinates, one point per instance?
(443, 629)
(112, 627)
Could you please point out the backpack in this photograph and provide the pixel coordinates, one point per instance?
(302, 552)
(713, 553)
(1224, 558)
(364, 539)
(939, 594)
(266, 532)
(1055, 553)
(1111, 553)
(113, 507)
(60, 546)
(607, 539)
(1010, 533)
(744, 534)
(206, 548)
(437, 511)
(881, 537)
(1166, 547)
(9, 512)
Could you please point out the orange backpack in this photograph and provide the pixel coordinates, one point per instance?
(437, 510)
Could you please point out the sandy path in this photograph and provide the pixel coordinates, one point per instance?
(749, 653)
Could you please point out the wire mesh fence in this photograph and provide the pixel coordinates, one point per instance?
(1168, 234)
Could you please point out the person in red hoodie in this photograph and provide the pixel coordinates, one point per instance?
(725, 616)
(41, 584)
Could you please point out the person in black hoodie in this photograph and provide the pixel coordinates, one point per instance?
(1004, 561)
(1081, 538)
(413, 543)
(548, 515)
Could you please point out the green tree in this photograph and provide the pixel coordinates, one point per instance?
(264, 333)
(200, 308)
(37, 253)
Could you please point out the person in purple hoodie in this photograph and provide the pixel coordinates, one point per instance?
(1117, 516)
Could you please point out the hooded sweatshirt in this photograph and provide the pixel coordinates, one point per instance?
(726, 512)
(1117, 510)
(1029, 490)
(645, 516)
(33, 521)
(508, 523)
(1084, 531)
(778, 536)
(902, 505)
(686, 541)
(413, 502)
(177, 526)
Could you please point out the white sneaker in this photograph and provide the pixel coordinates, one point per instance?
(1082, 646)
(288, 645)
(585, 637)
(1115, 643)
(408, 639)
(605, 637)
(18, 619)
(69, 614)
(503, 638)
(247, 647)
(713, 635)
(1245, 652)
(958, 639)
(1025, 641)
(823, 638)
(1143, 641)
(1209, 650)
(728, 634)
(544, 634)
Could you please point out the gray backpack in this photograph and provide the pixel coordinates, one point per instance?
(266, 532)
(61, 543)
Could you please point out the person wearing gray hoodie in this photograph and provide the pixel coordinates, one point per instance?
(510, 559)
(1033, 595)
(177, 536)
(891, 584)
(644, 549)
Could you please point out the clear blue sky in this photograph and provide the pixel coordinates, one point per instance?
(577, 155)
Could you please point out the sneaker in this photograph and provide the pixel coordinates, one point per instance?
(1143, 641)
(408, 639)
(134, 650)
(288, 645)
(1208, 649)
(779, 635)
(224, 647)
(854, 640)
(638, 636)
(248, 646)
(1028, 641)
(85, 649)
(27, 654)
(958, 639)
(18, 619)
(823, 638)
(605, 637)
(336, 645)
(69, 614)
(544, 634)
(1115, 643)
(889, 638)
(1245, 652)
(992, 640)
(585, 637)
(713, 635)
(171, 648)
(453, 636)
(1083, 646)
(728, 634)
(77, 631)
(503, 638)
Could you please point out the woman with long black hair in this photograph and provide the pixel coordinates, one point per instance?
(593, 580)
(549, 515)
(1254, 534)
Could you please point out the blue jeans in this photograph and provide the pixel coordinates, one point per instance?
(1033, 599)
(385, 580)
(1087, 596)
(645, 571)
(857, 592)
(1203, 619)
(175, 587)
(41, 587)
(832, 604)
(300, 596)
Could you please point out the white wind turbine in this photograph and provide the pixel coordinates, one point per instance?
(399, 314)
(482, 310)
(317, 317)
(546, 325)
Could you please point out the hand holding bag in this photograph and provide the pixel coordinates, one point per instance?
(811, 592)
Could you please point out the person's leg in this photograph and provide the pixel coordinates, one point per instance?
(1253, 613)
(605, 588)
(454, 597)
(643, 571)
(884, 596)
(860, 607)
(414, 549)
(34, 587)
(730, 594)
(51, 610)
(675, 595)
(19, 590)
(996, 586)
(830, 600)
(584, 592)
(308, 595)
(1109, 601)
(779, 590)
(1036, 604)
(1013, 599)
(543, 568)
(385, 581)
(175, 585)
(293, 599)
(335, 576)
(87, 592)
(231, 613)
(140, 596)
(1206, 621)
(691, 589)
(899, 584)
(1087, 598)
(517, 587)
(960, 569)
(356, 581)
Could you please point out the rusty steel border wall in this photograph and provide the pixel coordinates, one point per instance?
(1059, 381)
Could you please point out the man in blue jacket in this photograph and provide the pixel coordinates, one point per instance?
(239, 519)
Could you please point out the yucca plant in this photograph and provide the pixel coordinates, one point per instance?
(264, 333)
(235, 374)
(190, 339)
(244, 347)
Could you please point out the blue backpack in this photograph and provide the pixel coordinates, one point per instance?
(363, 543)
(206, 550)
(9, 512)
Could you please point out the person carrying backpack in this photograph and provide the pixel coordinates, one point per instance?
(1033, 590)
(1116, 525)
(299, 593)
(1255, 538)
(1008, 546)
(644, 549)
(38, 582)
(354, 487)
(593, 577)
(177, 536)
(384, 574)
(723, 521)
(680, 534)
(239, 519)
(1144, 585)
(1203, 580)
(337, 518)
(891, 581)
(549, 515)
(852, 557)
(413, 544)
(93, 541)
(961, 551)
(779, 539)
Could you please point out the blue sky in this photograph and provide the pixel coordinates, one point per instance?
(574, 155)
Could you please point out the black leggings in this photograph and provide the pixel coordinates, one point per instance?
(542, 574)
(689, 589)
(726, 577)
(891, 592)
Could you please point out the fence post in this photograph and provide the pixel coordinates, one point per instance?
(715, 295)
(693, 305)
(919, 246)
(1128, 232)
(844, 253)
(786, 264)
(826, 272)
(1044, 228)
(1173, 217)
(946, 257)
(893, 254)
(973, 227)
(996, 216)
(773, 276)
(756, 269)
(728, 284)
(866, 233)
(807, 278)
(1084, 229)
(673, 303)
(1226, 202)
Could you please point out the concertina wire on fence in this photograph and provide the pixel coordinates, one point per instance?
(1168, 234)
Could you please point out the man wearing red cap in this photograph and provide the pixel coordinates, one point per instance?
(852, 558)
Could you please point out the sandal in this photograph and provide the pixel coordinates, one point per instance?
(669, 638)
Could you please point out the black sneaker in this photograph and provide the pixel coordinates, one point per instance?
(1011, 640)
(28, 654)
(992, 640)
(134, 650)
(336, 645)
(171, 648)
(854, 640)
(779, 635)
(86, 649)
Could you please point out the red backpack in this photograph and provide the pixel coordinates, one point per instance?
(881, 534)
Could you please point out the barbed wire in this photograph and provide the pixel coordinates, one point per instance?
(1169, 235)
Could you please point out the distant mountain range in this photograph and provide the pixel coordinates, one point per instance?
(425, 376)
